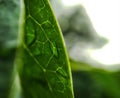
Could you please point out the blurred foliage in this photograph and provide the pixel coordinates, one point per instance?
(9, 11)
(91, 82)
(96, 83)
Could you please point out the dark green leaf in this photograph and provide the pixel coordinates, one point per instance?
(45, 72)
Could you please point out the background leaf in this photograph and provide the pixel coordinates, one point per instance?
(45, 72)
(9, 29)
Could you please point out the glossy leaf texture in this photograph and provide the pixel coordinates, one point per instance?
(45, 72)
(9, 31)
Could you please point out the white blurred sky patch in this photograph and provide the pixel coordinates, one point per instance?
(105, 16)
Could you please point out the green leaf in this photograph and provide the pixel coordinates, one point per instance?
(107, 81)
(45, 72)
(10, 12)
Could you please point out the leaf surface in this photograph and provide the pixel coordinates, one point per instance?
(46, 71)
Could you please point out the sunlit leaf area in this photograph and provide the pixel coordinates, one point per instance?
(59, 49)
